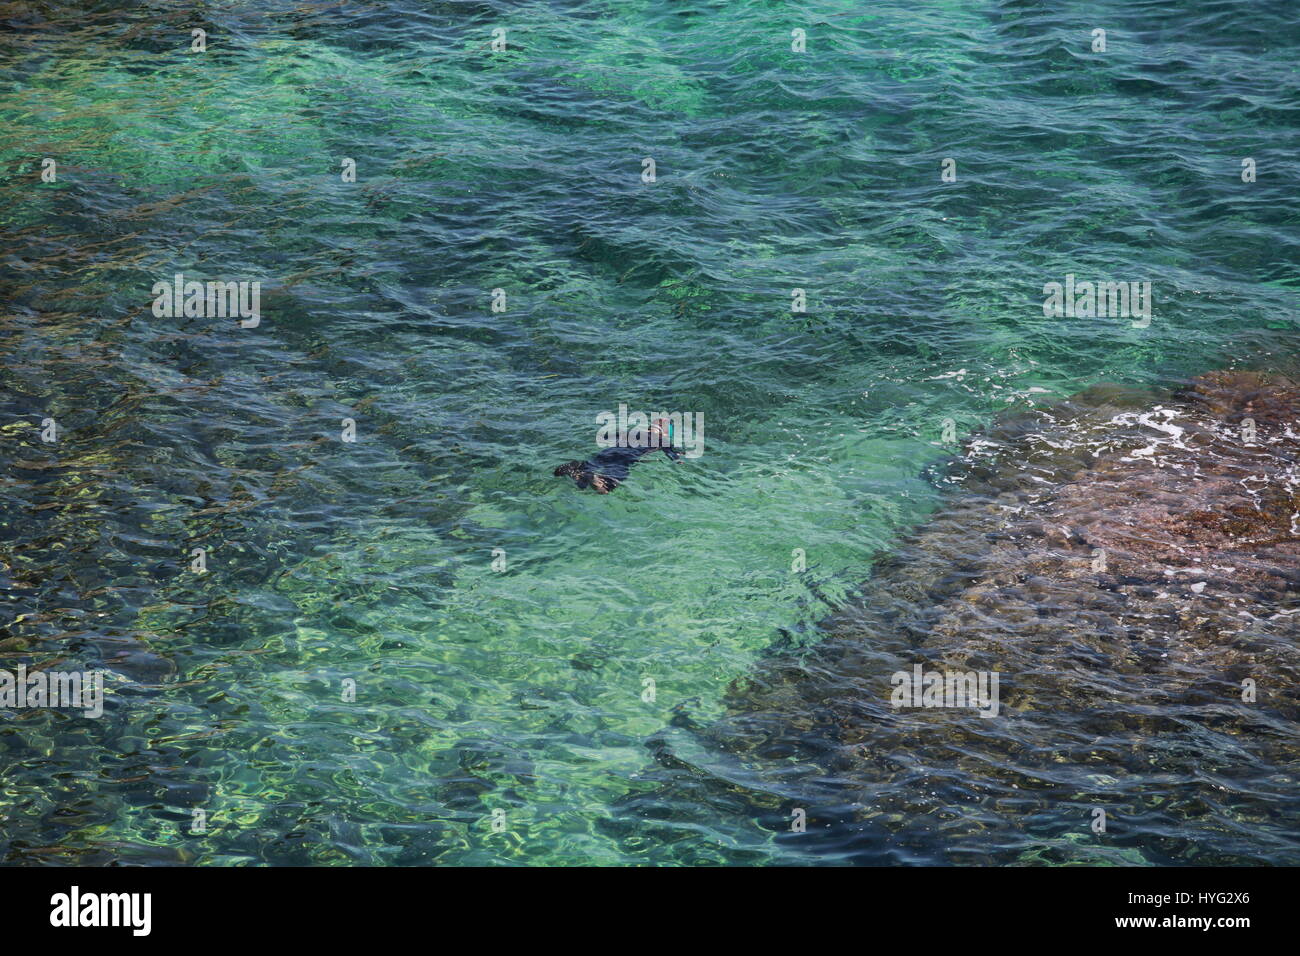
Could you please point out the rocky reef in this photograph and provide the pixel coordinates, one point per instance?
(1128, 564)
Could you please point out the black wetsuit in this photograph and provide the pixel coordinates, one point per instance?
(606, 471)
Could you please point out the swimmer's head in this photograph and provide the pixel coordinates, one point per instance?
(664, 428)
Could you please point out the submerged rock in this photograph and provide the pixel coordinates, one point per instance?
(1128, 565)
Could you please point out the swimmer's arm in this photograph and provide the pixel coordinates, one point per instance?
(672, 453)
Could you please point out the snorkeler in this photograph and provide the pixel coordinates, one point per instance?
(606, 470)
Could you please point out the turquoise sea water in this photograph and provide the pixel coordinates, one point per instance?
(523, 691)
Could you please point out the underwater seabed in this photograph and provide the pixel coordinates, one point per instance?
(520, 691)
(1128, 563)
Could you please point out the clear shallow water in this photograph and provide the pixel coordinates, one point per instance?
(522, 691)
